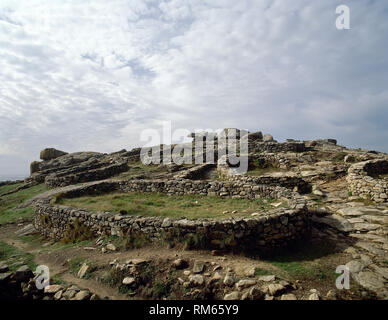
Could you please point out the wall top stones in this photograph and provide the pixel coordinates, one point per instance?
(361, 181)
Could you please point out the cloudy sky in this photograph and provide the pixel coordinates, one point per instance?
(82, 75)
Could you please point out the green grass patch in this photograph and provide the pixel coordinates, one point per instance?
(304, 261)
(155, 204)
(15, 258)
(8, 213)
(262, 272)
(9, 187)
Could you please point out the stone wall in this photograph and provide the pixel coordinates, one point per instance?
(275, 228)
(361, 181)
(290, 181)
(295, 146)
(98, 173)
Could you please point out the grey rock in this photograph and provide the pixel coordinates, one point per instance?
(267, 278)
(256, 293)
(268, 138)
(235, 295)
(4, 277)
(288, 296)
(24, 273)
(335, 221)
(179, 264)
(355, 266)
(196, 279)
(199, 266)
(275, 289)
(229, 280)
(82, 271)
(82, 295)
(245, 283)
(129, 281)
(27, 230)
(53, 288)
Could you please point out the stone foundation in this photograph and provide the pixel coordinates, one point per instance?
(276, 228)
(361, 181)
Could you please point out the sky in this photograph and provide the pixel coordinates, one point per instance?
(91, 75)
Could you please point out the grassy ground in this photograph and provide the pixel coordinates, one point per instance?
(262, 171)
(15, 258)
(8, 213)
(154, 204)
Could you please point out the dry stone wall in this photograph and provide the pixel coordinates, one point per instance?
(273, 228)
(295, 146)
(99, 172)
(361, 181)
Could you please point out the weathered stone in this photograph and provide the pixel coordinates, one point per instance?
(355, 266)
(69, 294)
(196, 279)
(229, 280)
(198, 267)
(180, 264)
(268, 138)
(26, 230)
(4, 277)
(111, 247)
(245, 283)
(275, 289)
(129, 281)
(235, 295)
(314, 296)
(335, 221)
(54, 288)
(370, 281)
(58, 295)
(267, 278)
(82, 295)
(256, 293)
(3, 268)
(288, 296)
(24, 273)
(51, 153)
(83, 270)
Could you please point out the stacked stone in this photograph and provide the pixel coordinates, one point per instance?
(362, 184)
(258, 146)
(273, 228)
(98, 171)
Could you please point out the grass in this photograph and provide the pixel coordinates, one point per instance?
(305, 261)
(263, 171)
(8, 213)
(15, 258)
(154, 204)
(9, 187)
(138, 168)
(262, 272)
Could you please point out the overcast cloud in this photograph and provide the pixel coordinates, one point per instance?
(89, 75)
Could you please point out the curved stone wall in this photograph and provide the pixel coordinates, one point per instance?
(361, 181)
(275, 228)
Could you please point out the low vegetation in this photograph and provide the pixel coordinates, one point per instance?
(15, 258)
(154, 204)
(8, 213)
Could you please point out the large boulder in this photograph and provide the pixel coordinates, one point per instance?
(34, 167)
(268, 138)
(51, 153)
(255, 136)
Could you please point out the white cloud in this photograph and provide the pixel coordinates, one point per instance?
(84, 75)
